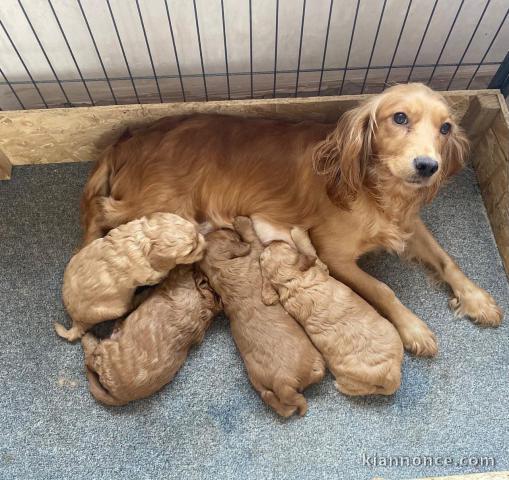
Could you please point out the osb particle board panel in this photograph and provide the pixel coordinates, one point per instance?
(5, 167)
(78, 134)
(491, 162)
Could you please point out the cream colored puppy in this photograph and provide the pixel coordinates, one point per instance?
(148, 348)
(100, 280)
(362, 349)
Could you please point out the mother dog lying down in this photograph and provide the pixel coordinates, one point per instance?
(356, 185)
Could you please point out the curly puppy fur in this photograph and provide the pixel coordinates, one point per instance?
(362, 349)
(100, 280)
(148, 348)
(280, 359)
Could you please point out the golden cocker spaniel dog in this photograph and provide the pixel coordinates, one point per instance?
(356, 185)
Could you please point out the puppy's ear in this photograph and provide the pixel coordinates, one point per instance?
(238, 249)
(161, 263)
(343, 156)
(456, 150)
(269, 294)
(305, 262)
(201, 281)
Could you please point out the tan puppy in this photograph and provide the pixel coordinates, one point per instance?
(362, 349)
(100, 280)
(152, 343)
(280, 360)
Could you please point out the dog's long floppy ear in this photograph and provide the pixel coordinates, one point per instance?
(343, 156)
(456, 150)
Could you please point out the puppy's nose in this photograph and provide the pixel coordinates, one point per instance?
(425, 166)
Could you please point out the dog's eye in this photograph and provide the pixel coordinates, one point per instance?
(445, 128)
(400, 118)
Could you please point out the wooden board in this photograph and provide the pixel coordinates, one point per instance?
(79, 134)
(491, 162)
(5, 167)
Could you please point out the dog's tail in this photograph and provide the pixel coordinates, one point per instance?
(99, 392)
(96, 189)
(72, 334)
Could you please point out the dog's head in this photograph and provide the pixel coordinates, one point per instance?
(405, 138)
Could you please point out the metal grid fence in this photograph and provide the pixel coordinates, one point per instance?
(479, 57)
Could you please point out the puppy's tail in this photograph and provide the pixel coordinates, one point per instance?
(71, 334)
(99, 392)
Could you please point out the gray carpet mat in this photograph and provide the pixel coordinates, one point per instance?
(209, 423)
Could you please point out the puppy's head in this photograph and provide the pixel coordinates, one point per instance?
(173, 237)
(224, 245)
(406, 138)
(281, 263)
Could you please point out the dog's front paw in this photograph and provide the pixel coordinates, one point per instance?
(478, 305)
(417, 338)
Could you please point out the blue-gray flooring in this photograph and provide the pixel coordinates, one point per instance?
(209, 423)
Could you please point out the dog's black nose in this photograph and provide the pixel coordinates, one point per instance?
(425, 166)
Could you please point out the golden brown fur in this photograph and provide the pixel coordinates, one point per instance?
(352, 184)
(100, 280)
(362, 349)
(148, 348)
(280, 360)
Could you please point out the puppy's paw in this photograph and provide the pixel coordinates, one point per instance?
(478, 305)
(281, 409)
(417, 338)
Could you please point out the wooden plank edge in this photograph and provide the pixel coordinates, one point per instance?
(5, 167)
(501, 125)
(481, 112)
(87, 130)
(491, 164)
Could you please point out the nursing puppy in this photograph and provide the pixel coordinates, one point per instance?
(148, 348)
(280, 360)
(100, 280)
(362, 349)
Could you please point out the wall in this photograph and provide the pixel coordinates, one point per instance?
(237, 28)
